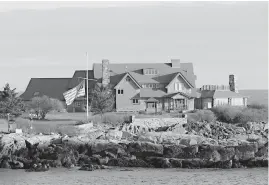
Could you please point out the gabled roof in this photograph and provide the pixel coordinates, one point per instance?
(181, 93)
(134, 80)
(227, 94)
(184, 78)
(136, 70)
(147, 93)
(151, 100)
(220, 94)
(51, 87)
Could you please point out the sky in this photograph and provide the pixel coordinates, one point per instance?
(49, 40)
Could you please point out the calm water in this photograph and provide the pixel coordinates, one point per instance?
(257, 176)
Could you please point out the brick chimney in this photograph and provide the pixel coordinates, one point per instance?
(175, 63)
(232, 83)
(105, 72)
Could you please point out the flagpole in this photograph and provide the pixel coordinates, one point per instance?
(87, 73)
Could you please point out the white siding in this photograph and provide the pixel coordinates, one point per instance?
(237, 102)
(220, 101)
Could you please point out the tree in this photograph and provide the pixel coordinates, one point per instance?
(103, 99)
(43, 105)
(10, 102)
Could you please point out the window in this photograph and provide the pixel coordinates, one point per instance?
(77, 104)
(127, 79)
(229, 101)
(120, 91)
(135, 101)
(178, 86)
(150, 71)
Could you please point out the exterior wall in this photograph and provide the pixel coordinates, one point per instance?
(76, 106)
(220, 101)
(191, 104)
(237, 102)
(184, 85)
(124, 101)
(198, 103)
(206, 103)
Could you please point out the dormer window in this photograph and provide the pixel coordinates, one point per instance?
(150, 71)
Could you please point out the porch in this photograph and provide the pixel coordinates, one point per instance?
(178, 104)
(152, 105)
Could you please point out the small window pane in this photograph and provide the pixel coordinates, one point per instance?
(121, 91)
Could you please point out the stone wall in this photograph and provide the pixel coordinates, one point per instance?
(152, 124)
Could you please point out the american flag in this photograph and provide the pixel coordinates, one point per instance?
(72, 94)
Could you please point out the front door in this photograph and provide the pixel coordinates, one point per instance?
(151, 107)
(179, 103)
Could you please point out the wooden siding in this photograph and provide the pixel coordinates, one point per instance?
(124, 101)
(185, 87)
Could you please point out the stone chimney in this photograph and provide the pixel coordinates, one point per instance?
(175, 63)
(232, 83)
(105, 72)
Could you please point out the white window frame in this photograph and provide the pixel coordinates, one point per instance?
(120, 91)
(135, 101)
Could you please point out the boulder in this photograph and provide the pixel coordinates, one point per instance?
(176, 163)
(43, 140)
(114, 134)
(9, 143)
(87, 167)
(144, 149)
(4, 162)
(16, 165)
(173, 151)
(104, 147)
(192, 163)
(245, 152)
(159, 162)
(146, 139)
(262, 151)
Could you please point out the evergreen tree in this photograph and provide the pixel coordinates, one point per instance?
(10, 103)
(103, 99)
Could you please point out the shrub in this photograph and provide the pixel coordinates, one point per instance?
(233, 114)
(251, 115)
(43, 105)
(201, 115)
(227, 113)
(113, 119)
(257, 106)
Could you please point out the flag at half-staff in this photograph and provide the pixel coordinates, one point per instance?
(74, 93)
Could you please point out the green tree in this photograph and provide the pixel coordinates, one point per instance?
(103, 99)
(10, 102)
(43, 105)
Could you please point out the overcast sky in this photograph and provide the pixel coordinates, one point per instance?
(50, 39)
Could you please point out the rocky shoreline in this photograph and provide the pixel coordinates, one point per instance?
(42, 152)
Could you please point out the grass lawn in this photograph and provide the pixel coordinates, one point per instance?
(55, 122)
(65, 122)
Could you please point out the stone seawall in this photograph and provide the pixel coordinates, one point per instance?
(39, 153)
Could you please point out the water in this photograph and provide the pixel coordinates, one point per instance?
(255, 176)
